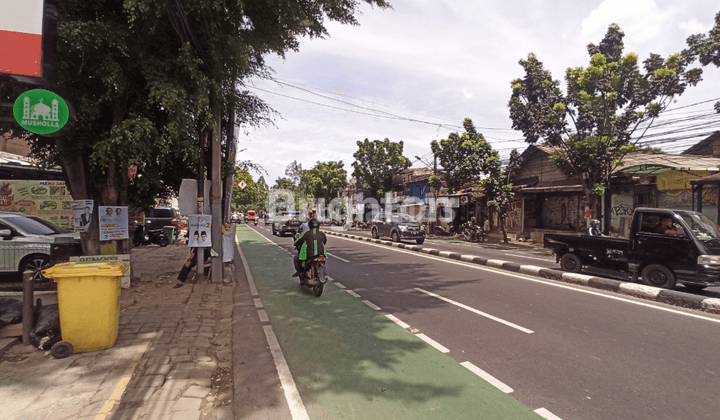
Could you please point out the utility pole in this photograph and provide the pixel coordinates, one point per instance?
(200, 252)
(216, 194)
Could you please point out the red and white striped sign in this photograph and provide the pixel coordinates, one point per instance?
(21, 23)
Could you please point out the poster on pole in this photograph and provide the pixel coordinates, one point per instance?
(199, 230)
(82, 214)
(113, 223)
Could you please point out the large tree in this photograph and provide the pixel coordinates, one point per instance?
(376, 161)
(249, 197)
(463, 157)
(149, 79)
(706, 48)
(326, 180)
(604, 110)
(497, 186)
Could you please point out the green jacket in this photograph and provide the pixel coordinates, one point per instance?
(310, 244)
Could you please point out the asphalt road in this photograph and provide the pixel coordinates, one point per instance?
(581, 353)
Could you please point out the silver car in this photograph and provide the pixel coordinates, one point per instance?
(26, 241)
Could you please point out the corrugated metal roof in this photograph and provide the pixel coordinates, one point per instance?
(674, 162)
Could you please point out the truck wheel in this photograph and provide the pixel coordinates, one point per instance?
(658, 276)
(571, 262)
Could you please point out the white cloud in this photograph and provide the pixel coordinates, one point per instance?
(693, 26)
(641, 20)
(466, 94)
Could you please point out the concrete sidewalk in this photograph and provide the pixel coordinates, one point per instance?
(172, 358)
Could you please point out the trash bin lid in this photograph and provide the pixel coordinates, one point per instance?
(78, 269)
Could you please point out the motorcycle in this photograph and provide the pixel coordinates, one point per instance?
(143, 236)
(314, 275)
(256, 221)
(440, 231)
(473, 234)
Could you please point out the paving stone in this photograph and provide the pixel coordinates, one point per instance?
(181, 359)
(179, 374)
(137, 394)
(206, 382)
(201, 373)
(177, 352)
(40, 415)
(175, 383)
(151, 380)
(196, 391)
(158, 370)
(187, 404)
(166, 394)
(92, 409)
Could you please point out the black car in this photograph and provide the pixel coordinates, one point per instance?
(290, 222)
(397, 226)
(159, 217)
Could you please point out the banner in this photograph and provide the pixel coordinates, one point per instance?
(113, 223)
(49, 200)
(82, 214)
(199, 230)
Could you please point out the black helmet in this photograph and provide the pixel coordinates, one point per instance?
(313, 223)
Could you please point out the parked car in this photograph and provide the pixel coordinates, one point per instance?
(287, 222)
(26, 243)
(665, 247)
(397, 226)
(236, 218)
(159, 217)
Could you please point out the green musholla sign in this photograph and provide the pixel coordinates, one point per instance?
(40, 111)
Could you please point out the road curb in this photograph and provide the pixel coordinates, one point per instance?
(670, 297)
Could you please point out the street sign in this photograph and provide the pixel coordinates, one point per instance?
(40, 111)
(242, 185)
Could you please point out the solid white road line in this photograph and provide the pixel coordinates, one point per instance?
(487, 377)
(351, 293)
(433, 343)
(397, 320)
(540, 281)
(341, 259)
(546, 414)
(297, 408)
(370, 304)
(486, 315)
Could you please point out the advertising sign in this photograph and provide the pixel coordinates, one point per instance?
(40, 111)
(113, 223)
(199, 230)
(21, 29)
(82, 214)
(48, 200)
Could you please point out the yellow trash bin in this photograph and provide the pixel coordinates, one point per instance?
(88, 302)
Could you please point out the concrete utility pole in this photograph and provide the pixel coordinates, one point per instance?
(200, 276)
(216, 196)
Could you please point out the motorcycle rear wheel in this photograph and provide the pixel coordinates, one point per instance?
(136, 241)
(164, 241)
(318, 289)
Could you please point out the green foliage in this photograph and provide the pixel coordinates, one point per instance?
(705, 48)
(462, 156)
(253, 197)
(594, 121)
(376, 161)
(326, 180)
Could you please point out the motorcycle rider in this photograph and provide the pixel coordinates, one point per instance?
(471, 228)
(593, 229)
(309, 244)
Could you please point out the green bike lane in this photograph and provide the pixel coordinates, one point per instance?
(350, 361)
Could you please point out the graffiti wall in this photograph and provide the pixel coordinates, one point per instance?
(682, 200)
(514, 218)
(621, 213)
(563, 212)
(48, 200)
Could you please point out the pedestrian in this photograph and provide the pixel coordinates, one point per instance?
(188, 266)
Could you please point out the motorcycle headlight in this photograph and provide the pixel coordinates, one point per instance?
(709, 259)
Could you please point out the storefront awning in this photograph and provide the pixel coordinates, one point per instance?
(558, 188)
(646, 169)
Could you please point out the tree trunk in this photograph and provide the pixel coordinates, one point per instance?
(502, 228)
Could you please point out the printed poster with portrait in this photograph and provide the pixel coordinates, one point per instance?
(199, 227)
(113, 223)
(82, 214)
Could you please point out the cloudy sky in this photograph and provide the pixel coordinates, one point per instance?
(440, 61)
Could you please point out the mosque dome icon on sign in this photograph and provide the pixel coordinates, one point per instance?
(34, 112)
